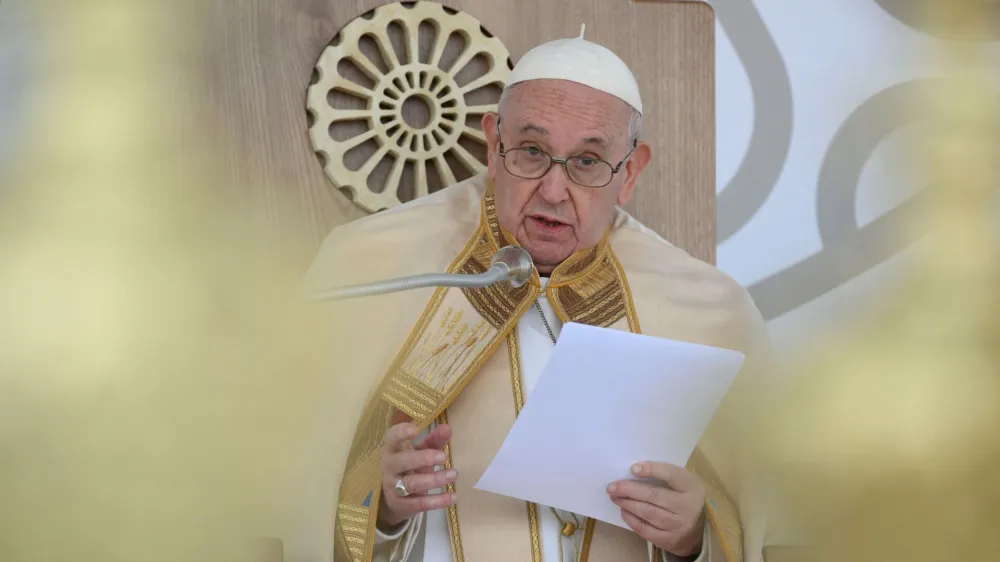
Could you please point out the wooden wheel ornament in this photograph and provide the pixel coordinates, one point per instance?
(380, 96)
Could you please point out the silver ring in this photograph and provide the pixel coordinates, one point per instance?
(401, 490)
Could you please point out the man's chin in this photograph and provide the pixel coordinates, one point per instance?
(546, 261)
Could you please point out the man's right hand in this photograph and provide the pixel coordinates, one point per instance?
(414, 464)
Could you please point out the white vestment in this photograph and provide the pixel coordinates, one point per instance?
(426, 537)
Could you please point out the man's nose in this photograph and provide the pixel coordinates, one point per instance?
(555, 185)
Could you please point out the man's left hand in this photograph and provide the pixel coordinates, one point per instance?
(671, 516)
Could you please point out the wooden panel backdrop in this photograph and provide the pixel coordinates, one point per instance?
(255, 61)
(260, 54)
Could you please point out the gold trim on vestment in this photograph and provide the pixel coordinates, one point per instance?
(516, 382)
(435, 363)
(630, 312)
(723, 513)
(458, 555)
(589, 288)
(516, 378)
(457, 333)
(588, 538)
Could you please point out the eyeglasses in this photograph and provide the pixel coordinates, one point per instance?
(532, 163)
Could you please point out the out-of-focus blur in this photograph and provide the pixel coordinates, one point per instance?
(161, 390)
(157, 370)
(885, 448)
(15, 73)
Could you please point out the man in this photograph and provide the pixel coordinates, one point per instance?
(446, 371)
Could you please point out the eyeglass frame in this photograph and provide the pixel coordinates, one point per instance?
(564, 162)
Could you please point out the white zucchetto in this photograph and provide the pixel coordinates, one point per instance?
(580, 61)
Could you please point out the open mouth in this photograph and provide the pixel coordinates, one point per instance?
(548, 222)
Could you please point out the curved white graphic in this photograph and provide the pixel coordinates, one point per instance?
(811, 200)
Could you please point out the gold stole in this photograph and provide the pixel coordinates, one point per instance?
(458, 333)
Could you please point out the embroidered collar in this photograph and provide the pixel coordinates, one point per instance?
(575, 269)
(589, 287)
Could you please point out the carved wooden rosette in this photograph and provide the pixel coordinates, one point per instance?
(397, 98)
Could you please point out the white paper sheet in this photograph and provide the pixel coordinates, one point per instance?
(606, 400)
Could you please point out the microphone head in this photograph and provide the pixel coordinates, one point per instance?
(518, 262)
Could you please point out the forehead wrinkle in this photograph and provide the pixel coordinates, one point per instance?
(591, 140)
(532, 128)
(600, 112)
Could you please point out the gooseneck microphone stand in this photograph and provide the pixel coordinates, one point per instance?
(511, 264)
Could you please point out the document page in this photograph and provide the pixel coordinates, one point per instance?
(606, 400)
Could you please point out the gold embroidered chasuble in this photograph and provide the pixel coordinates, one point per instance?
(460, 364)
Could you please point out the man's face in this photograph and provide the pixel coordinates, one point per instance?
(553, 217)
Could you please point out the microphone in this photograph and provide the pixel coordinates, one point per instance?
(511, 264)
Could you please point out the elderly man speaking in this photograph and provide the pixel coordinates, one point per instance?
(445, 372)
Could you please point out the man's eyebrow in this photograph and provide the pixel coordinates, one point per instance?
(599, 141)
(532, 128)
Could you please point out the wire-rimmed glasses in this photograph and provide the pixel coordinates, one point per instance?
(533, 163)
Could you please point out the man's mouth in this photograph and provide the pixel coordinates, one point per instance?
(548, 222)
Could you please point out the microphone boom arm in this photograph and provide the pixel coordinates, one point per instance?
(511, 263)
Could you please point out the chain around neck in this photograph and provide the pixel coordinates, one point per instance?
(538, 307)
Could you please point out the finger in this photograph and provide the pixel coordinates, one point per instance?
(675, 477)
(398, 436)
(412, 505)
(659, 518)
(409, 461)
(399, 416)
(646, 530)
(640, 491)
(423, 483)
(437, 439)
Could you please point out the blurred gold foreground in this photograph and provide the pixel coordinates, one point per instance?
(162, 393)
(161, 386)
(886, 448)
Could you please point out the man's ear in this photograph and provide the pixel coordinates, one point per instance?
(489, 123)
(636, 164)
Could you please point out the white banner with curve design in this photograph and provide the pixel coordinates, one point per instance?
(815, 151)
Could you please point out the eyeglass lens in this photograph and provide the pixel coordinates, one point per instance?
(531, 163)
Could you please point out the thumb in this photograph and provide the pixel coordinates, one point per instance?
(675, 477)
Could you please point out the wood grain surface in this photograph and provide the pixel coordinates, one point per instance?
(257, 58)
